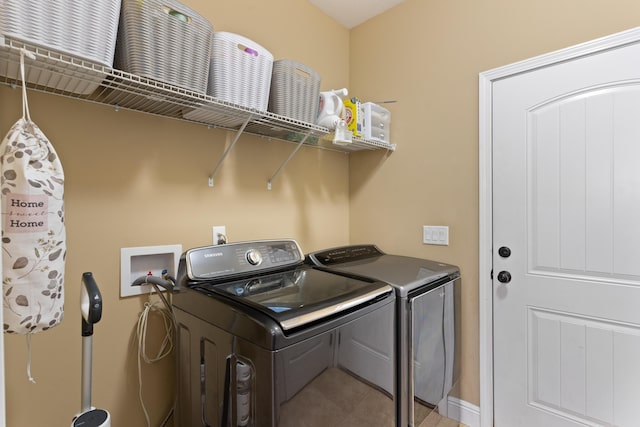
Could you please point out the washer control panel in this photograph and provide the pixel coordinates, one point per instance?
(213, 262)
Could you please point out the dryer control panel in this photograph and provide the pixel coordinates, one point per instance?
(344, 254)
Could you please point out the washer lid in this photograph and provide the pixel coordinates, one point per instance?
(299, 296)
(404, 273)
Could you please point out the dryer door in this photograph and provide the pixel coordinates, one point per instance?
(433, 349)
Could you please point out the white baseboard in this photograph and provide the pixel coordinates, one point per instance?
(463, 411)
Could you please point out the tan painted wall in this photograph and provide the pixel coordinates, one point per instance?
(137, 180)
(427, 55)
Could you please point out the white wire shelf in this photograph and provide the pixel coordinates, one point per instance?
(74, 77)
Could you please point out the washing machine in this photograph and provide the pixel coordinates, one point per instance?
(427, 319)
(265, 340)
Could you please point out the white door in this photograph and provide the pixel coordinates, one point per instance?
(566, 202)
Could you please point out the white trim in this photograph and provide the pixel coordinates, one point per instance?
(485, 257)
(486, 80)
(463, 411)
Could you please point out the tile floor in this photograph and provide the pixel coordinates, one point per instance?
(436, 420)
(337, 399)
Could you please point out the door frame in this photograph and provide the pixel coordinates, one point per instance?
(486, 80)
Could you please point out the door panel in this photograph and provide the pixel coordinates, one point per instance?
(566, 193)
(579, 365)
(583, 210)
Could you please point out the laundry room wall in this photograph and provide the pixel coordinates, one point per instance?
(139, 180)
(427, 55)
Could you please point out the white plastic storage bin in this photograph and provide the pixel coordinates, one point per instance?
(240, 71)
(79, 28)
(166, 41)
(376, 122)
(295, 90)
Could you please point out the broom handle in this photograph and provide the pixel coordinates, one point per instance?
(86, 372)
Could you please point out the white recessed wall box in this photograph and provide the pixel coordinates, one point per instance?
(145, 260)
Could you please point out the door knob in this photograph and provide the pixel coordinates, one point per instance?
(504, 277)
(504, 252)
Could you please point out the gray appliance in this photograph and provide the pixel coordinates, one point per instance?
(427, 304)
(266, 340)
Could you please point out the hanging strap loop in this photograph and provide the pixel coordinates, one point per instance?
(25, 104)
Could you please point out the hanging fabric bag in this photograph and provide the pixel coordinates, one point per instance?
(33, 229)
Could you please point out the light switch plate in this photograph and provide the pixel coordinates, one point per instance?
(435, 235)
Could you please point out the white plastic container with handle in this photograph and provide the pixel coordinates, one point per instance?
(331, 108)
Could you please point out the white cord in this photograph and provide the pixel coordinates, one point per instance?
(165, 348)
(29, 359)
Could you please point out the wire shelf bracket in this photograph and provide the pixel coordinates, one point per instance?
(228, 150)
(293, 153)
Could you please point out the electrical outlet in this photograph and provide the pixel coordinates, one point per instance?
(219, 234)
(140, 261)
(435, 235)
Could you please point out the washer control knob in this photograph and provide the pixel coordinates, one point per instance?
(254, 257)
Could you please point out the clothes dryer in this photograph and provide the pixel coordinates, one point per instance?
(427, 307)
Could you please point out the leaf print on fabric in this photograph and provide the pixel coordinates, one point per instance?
(22, 301)
(10, 174)
(55, 255)
(20, 263)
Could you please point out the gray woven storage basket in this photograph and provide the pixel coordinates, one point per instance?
(80, 28)
(240, 71)
(295, 90)
(165, 41)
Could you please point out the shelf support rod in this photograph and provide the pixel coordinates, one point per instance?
(228, 150)
(293, 153)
